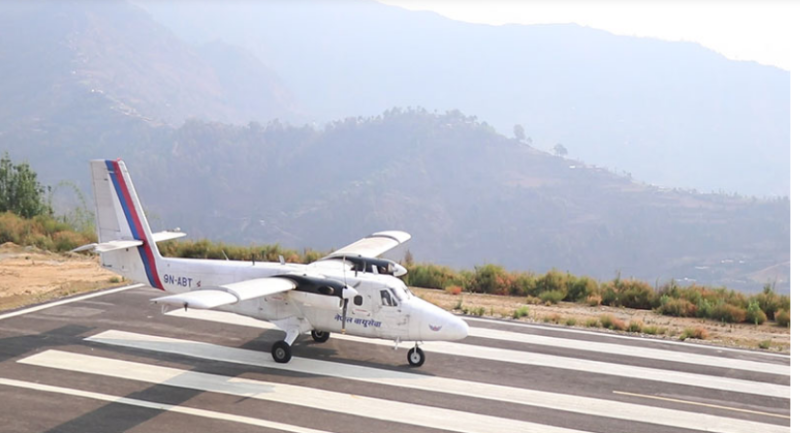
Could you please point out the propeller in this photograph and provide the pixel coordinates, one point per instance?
(344, 299)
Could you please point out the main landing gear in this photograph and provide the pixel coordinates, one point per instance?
(416, 357)
(320, 336)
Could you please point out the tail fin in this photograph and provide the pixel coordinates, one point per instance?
(121, 220)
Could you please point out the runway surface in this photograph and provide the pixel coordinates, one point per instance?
(112, 362)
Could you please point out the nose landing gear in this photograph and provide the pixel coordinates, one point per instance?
(281, 352)
(416, 357)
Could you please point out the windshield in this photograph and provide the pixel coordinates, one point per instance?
(400, 291)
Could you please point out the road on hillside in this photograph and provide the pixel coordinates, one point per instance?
(112, 362)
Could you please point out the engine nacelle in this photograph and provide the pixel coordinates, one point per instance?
(372, 265)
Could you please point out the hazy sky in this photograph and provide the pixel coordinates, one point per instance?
(742, 30)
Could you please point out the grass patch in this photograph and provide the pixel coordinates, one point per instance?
(635, 326)
(764, 344)
(697, 332)
(571, 321)
(521, 312)
(591, 323)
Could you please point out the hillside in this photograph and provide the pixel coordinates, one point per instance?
(638, 105)
(60, 56)
(466, 193)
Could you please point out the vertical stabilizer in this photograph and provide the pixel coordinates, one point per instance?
(120, 217)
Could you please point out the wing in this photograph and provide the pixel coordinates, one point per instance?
(373, 245)
(228, 293)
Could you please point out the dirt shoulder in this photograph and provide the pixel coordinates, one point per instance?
(743, 335)
(29, 275)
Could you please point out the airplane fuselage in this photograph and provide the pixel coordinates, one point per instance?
(388, 309)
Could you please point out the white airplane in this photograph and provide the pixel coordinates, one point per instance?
(349, 289)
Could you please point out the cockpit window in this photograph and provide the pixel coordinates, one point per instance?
(387, 299)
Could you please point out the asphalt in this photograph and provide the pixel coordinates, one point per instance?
(115, 363)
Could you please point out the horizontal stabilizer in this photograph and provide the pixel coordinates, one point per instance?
(167, 236)
(105, 247)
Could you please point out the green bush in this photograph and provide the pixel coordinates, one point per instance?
(579, 289)
(754, 314)
(635, 326)
(783, 317)
(728, 313)
(432, 276)
(676, 307)
(635, 294)
(608, 294)
(551, 296)
(523, 284)
(571, 321)
(491, 279)
(552, 281)
(591, 323)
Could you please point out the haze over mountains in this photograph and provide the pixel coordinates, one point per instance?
(672, 114)
(103, 79)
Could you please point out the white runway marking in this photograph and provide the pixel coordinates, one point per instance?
(624, 337)
(317, 399)
(67, 301)
(530, 358)
(638, 352)
(158, 406)
(570, 403)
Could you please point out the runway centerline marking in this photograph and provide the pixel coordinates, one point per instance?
(317, 399)
(565, 402)
(158, 406)
(696, 403)
(531, 358)
(67, 301)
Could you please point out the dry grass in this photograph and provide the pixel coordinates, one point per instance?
(735, 335)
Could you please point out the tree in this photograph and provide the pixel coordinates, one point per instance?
(560, 150)
(20, 192)
(519, 132)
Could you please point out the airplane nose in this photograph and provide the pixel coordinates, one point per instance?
(459, 329)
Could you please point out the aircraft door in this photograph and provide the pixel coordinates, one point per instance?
(393, 316)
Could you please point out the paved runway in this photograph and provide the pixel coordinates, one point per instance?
(112, 362)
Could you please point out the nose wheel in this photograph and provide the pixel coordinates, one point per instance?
(416, 357)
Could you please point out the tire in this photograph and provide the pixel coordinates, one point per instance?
(281, 352)
(416, 357)
(320, 336)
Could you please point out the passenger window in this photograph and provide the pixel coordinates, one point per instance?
(358, 300)
(387, 299)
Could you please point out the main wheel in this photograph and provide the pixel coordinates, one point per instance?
(281, 352)
(416, 357)
(320, 336)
